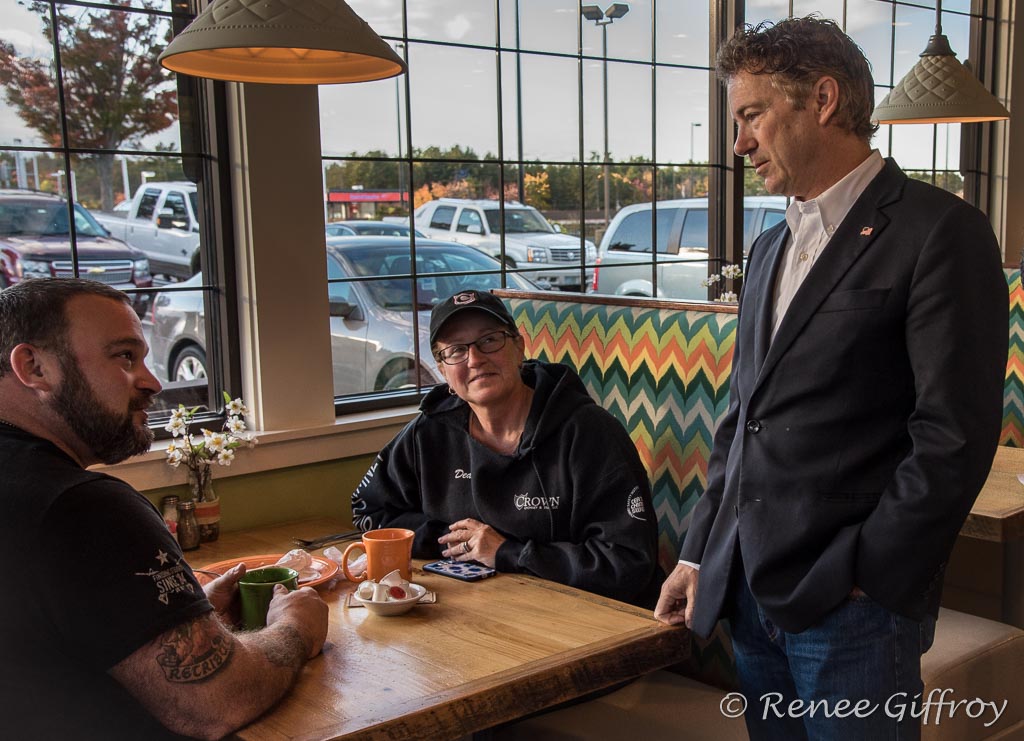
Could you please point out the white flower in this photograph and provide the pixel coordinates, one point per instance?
(236, 407)
(215, 441)
(199, 453)
(711, 279)
(732, 271)
(727, 296)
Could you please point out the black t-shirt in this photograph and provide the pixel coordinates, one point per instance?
(93, 576)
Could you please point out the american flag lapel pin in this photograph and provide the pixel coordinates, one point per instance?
(866, 231)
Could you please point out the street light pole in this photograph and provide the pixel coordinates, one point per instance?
(693, 125)
(603, 18)
(607, 156)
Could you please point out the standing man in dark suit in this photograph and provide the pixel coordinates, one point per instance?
(865, 408)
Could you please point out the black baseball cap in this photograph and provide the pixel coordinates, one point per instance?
(478, 300)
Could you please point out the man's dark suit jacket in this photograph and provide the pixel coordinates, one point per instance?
(857, 440)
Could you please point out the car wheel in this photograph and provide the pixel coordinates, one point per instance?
(190, 365)
(399, 376)
(509, 262)
(196, 265)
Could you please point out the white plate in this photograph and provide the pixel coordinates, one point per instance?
(395, 606)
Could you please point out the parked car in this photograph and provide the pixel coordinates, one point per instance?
(682, 245)
(371, 321)
(162, 221)
(353, 227)
(530, 241)
(35, 242)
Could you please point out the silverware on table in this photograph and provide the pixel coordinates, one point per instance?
(312, 545)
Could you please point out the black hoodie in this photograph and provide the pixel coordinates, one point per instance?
(573, 500)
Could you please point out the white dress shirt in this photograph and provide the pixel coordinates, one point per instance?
(811, 225)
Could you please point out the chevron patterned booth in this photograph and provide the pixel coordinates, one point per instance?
(1013, 394)
(662, 368)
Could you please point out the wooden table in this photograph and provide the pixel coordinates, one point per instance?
(998, 513)
(488, 652)
(985, 573)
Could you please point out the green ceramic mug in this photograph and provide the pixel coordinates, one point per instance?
(256, 589)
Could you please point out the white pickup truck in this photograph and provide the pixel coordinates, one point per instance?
(546, 255)
(161, 221)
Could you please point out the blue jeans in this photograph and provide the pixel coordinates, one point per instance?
(860, 652)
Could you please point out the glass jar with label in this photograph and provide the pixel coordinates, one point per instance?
(188, 528)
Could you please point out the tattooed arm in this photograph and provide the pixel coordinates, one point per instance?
(200, 679)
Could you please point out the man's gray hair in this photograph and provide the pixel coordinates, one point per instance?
(796, 53)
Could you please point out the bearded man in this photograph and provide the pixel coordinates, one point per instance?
(88, 625)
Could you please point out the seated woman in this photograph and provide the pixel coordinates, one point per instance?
(513, 465)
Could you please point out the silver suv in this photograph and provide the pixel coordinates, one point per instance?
(530, 241)
(372, 329)
(682, 227)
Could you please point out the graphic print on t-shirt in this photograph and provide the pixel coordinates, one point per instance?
(168, 578)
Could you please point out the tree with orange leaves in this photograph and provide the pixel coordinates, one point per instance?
(115, 92)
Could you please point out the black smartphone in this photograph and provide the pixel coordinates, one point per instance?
(464, 570)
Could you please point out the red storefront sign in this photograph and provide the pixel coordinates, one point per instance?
(367, 196)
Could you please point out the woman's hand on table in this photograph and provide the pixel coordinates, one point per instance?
(471, 540)
(223, 594)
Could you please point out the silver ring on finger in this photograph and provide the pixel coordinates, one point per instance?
(465, 546)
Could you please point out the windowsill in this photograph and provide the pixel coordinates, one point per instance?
(350, 436)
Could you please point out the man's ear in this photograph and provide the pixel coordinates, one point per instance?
(34, 367)
(825, 99)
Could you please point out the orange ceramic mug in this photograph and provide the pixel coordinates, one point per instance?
(386, 549)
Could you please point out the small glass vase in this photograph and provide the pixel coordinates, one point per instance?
(207, 504)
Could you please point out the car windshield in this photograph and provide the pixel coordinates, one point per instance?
(31, 218)
(395, 293)
(518, 221)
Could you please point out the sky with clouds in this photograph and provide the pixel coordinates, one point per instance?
(454, 90)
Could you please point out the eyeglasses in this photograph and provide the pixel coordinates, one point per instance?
(458, 354)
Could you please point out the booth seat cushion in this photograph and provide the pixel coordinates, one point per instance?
(975, 658)
(662, 705)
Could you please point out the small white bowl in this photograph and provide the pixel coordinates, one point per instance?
(395, 606)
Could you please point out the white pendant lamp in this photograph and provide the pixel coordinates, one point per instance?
(939, 90)
(299, 42)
